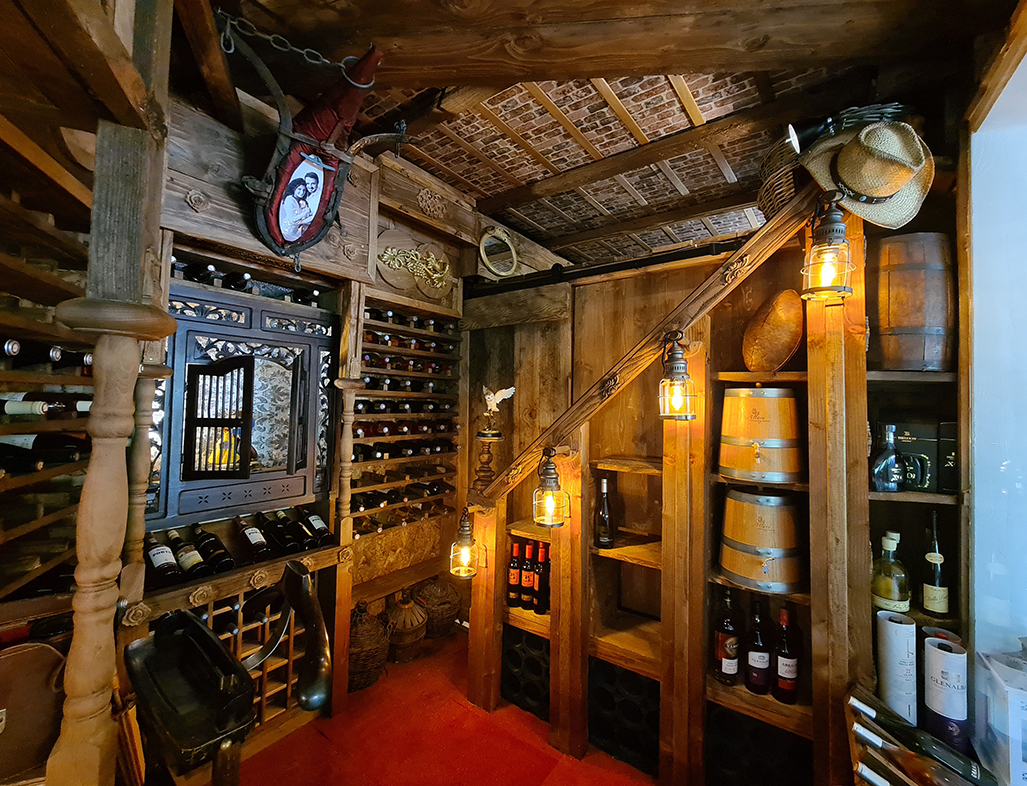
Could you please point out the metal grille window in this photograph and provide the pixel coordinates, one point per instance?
(218, 419)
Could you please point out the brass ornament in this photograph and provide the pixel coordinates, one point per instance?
(424, 266)
(738, 268)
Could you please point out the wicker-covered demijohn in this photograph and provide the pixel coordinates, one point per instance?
(368, 647)
(409, 623)
(442, 604)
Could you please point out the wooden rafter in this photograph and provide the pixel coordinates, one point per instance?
(198, 22)
(29, 228)
(838, 92)
(695, 115)
(26, 149)
(478, 154)
(1000, 69)
(676, 216)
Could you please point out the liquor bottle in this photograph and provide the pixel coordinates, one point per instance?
(528, 577)
(886, 470)
(920, 769)
(188, 557)
(787, 651)
(240, 282)
(889, 585)
(935, 594)
(603, 526)
(513, 578)
(316, 525)
(255, 541)
(295, 528)
(212, 550)
(163, 565)
(757, 665)
(540, 596)
(726, 634)
(280, 538)
(921, 742)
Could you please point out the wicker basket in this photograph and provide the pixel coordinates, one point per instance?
(442, 603)
(368, 647)
(409, 623)
(778, 183)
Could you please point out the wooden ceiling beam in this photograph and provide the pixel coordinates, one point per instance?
(197, 20)
(32, 154)
(85, 39)
(29, 228)
(656, 220)
(1000, 69)
(478, 154)
(829, 96)
(695, 115)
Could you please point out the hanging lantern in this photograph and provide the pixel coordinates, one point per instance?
(463, 556)
(550, 503)
(677, 390)
(827, 271)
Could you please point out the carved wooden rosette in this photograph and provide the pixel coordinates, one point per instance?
(88, 733)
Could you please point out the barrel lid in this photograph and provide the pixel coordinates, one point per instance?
(760, 392)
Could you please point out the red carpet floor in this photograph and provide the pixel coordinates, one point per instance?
(415, 727)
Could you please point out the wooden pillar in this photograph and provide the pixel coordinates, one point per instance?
(488, 596)
(568, 614)
(839, 513)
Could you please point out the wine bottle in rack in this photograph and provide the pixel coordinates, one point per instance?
(240, 282)
(256, 543)
(188, 557)
(757, 666)
(33, 354)
(280, 539)
(295, 528)
(9, 347)
(726, 641)
(513, 577)
(528, 577)
(315, 524)
(212, 550)
(540, 598)
(396, 496)
(920, 769)
(51, 406)
(199, 272)
(226, 625)
(72, 359)
(255, 616)
(787, 651)
(163, 566)
(16, 459)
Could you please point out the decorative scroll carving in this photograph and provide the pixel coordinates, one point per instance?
(188, 308)
(197, 200)
(345, 555)
(427, 267)
(218, 348)
(293, 325)
(609, 387)
(431, 204)
(738, 268)
(324, 377)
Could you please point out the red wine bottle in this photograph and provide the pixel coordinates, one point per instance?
(757, 666)
(212, 550)
(726, 633)
(785, 687)
(164, 567)
(528, 578)
(255, 541)
(513, 578)
(540, 599)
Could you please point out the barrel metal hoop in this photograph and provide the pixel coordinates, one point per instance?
(764, 500)
(748, 442)
(914, 331)
(759, 551)
(764, 477)
(759, 393)
(763, 586)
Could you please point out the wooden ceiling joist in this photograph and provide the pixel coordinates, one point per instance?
(830, 95)
(26, 227)
(478, 154)
(200, 29)
(26, 149)
(39, 286)
(656, 220)
(695, 115)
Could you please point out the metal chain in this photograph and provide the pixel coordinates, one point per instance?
(279, 42)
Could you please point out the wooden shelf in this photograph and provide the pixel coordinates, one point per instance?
(639, 465)
(924, 619)
(762, 376)
(527, 620)
(406, 415)
(362, 513)
(404, 438)
(403, 330)
(527, 528)
(399, 394)
(400, 483)
(802, 598)
(404, 460)
(49, 565)
(22, 611)
(36, 284)
(412, 353)
(44, 426)
(22, 327)
(7, 535)
(912, 377)
(801, 487)
(43, 378)
(451, 514)
(394, 582)
(914, 496)
(636, 549)
(11, 482)
(28, 227)
(796, 718)
(629, 641)
(392, 372)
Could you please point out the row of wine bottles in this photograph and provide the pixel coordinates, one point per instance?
(891, 585)
(409, 342)
(47, 406)
(32, 452)
(399, 517)
(431, 324)
(404, 473)
(527, 583)
(266, 537)
(403, 385)
(383, 451)
(204, 273)
(379, 407)
(401, 428)
(20, 353)
(400, 363)
(369, 500)
(768, 659)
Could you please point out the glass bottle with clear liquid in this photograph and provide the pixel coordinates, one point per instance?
(889, 585)
(886, 470)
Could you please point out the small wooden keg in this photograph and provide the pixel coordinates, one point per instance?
(911, 304)
(759, 436)
(759, 547)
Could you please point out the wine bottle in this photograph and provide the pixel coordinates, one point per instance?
(163, 565)
(725, 641)
(16, 459)
(316, 525)
(889, 584)
(31, 353)
(540, 596)
(870, 776)
(920, 769)
(757, 666)
(397, 496)
(255, 541)
(199, 272)
(935, 595)
(603, 529)
(240, 282)
(9, 347)
(51, 406)
(363, 430)
(528, 577)
(72, 359)
(188, 557)
(295, 528)
(921, 742)
(513, 578)
(212, 550)
(785, 687)
(280, 539)
(886, 470)
(226, 625)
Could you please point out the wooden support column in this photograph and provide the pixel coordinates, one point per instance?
(568, 644)
(488, 596)
(839, 512)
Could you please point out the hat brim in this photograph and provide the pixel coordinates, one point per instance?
(897, 211)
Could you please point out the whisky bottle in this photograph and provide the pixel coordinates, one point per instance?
(889, 585)
(886, 470)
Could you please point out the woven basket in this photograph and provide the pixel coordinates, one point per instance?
(442, 604)
(409, 623)
(778, 182)
(368, 647)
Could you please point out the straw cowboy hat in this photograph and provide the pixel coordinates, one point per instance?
(883, 169)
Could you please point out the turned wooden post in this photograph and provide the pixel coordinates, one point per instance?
(86, 751)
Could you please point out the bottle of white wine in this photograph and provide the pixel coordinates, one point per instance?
(935, 588)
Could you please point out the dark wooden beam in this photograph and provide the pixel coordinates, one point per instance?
(32, 154)
(676, 216)
(35, 284)
(828, 97)
(198, 22)
(29, 228)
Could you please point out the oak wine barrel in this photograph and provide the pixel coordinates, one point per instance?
(759, 546)
(759, 436)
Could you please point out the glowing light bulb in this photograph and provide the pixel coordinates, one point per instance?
(550, 504)
(827, 274)
(677, 398)
(465, 555)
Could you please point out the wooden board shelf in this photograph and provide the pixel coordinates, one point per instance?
(404, 438)
(22, 327)
(643, 550)
(527, 620)
(403, 330)
(392, 372)
(401, 394)
(796, 718)
(11, 377)
(914, 496)
(801, 487)
(7, 535)
(639, 465)
(413, 353)
(406, 415)
(923, 619)
(49, 565)
(404, 460)
(802, 598)
(527, 528)
(762, 376)
(400, 483)
(629, 641)
(397, 580)
(913, 377)
(11, 482)
(44, 426)
(35, 284)
(449, 515)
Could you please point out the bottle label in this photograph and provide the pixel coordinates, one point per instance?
(936, 599)
(19, 440)
(161, 556)
(726, 648)
(528, 578)
(934, 558)
(513, 578)
(758, 670)
(729, 665)
(759, 660)
(535, 583)
(890, 605)
(787, 671)
(188, 557)
(254, 536)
